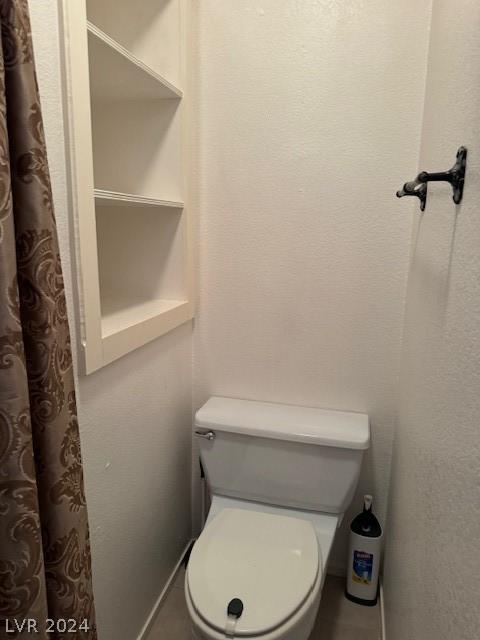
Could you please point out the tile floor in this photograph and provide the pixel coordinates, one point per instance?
(338, 618)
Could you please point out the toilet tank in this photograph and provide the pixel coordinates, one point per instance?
(298, 457)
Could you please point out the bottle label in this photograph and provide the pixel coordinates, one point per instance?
(362, 567)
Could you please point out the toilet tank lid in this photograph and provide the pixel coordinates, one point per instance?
(325, 427)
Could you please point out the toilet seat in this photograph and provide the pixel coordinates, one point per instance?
(270, 562)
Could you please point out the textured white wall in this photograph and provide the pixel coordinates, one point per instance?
(432, 560)
(309, 117)
(135, 420)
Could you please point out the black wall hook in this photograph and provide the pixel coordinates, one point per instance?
(419, 191)
(455, 176)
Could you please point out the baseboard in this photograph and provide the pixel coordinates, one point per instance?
(382, 612)
(156, 607)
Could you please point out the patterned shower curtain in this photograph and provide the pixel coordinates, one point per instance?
(45, 568)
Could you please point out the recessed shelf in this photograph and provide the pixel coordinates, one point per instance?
(150, 29)
(116, 74)
(143, 292)
(137, 147)
(129, 326)
(113, 198)
(121, 317)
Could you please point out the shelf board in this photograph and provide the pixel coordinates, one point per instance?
(128, 326)
(116, 74)
(105, 198)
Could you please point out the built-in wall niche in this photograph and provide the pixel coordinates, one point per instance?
(149, 29)
(124, 65)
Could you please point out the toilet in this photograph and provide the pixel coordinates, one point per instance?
(281, 478)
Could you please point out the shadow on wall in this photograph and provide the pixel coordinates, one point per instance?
(430, 271)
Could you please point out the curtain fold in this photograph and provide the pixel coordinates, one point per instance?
(45, 564)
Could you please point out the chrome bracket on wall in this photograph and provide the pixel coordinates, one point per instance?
(455, 176)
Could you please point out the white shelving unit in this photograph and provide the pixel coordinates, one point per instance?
(124, 66)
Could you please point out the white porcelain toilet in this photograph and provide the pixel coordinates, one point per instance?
(281, 478)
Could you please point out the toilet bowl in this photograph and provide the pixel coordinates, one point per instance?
(281, 478)
(271, 558)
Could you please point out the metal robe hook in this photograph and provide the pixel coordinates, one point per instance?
(454, 176)
(412, 189)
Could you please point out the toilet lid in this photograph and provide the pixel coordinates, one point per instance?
(270, 562)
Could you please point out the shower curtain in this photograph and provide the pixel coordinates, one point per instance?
(45, 567)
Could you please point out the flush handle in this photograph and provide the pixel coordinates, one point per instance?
(209, 435)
